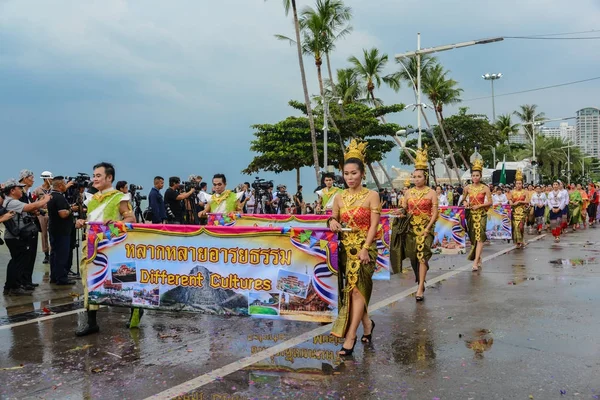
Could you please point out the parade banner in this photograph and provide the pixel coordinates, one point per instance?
(271, 272)
(450, 235)
(498, 222)
(382, 270)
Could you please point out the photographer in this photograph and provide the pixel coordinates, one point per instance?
(281, 200)
(173, 200)
(20, 233)
(157, 202)
(39, 192)
(122, 187)
(60, 228)
(299, 201)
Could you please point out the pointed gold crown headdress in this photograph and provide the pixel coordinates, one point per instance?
(356, 149)
(519, 175)
(421, 159)
(477, 165)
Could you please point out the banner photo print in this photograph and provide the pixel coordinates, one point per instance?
(498, 222)
(269, 272)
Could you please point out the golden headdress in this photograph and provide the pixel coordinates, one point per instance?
(421, 159)
(356, 149)
(477, 165)
(519, 175)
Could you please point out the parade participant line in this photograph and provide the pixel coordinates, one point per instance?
(235, 366)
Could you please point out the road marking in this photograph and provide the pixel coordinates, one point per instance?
(209, 377)
(41, 319)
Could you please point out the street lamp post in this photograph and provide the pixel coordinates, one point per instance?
(419, 52)
(583, 165)
(493, 154)
(492, 78)
(325, 101)
(568, 162)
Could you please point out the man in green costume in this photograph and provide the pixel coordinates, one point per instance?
(107, 204)
(327, 194)
(222, 201)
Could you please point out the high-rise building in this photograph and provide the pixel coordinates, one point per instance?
(518, 138)
(587, 134)
(564, 131)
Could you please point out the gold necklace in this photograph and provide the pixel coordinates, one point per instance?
(219, 198)
(419, 193)
(349, 199)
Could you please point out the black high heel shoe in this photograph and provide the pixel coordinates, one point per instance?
(422, 297)
(347, 352)
(367, 338)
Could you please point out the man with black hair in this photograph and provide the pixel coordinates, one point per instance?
(19, 243)
(222, 201)
(327, 194)
(173, 200)
(299, 201)
(106, 204)
(122, 187)
(60, 227)
(157, 202)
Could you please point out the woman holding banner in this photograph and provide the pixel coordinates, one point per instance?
(421, 206)
(356, 214)
(477, 200)
(519, 200)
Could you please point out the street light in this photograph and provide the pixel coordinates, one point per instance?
(583, 165)
(568, 162)
(417, 53)
(493, 154)
(492, 78)
(325, 101)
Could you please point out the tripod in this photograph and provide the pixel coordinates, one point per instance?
(139, 215)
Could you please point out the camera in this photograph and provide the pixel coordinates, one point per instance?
(135, 195)
(285, 201)
(261, 185)
(81, 180)
(187, 186)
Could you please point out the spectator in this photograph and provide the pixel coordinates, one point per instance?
(173, 200)
(246, 196)
(157, 202)
(19, 244)
(122, 187)
(60, 228)
(26, 178)
(40, 192)
(299, 201)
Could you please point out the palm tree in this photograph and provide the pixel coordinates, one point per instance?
(408, 72)
(505, 127)
(348, 86)
(370, 71)
(528, 115)
(334, 17)
(441, 91)
(291, 5)
(548, 153)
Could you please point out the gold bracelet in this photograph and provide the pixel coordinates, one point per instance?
(127, 213)
(366, 246)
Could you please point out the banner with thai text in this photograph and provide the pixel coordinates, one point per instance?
(450, 235)
(498, 222)
(272, 272)
(382, 271)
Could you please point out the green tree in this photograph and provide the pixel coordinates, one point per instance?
(441, 91)
(505, 127)
(348, 86)
(470, 131)
(370, 69)
(291, 5)
(528, 114)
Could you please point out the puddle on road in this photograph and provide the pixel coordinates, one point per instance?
(25, 312)
(573, 262)
(481, 342)
(520, 279)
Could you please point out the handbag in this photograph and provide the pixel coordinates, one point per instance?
(25, 232)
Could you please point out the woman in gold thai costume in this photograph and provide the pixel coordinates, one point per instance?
(519, 200)
(477, 200)
(420, 204)
(356, 213)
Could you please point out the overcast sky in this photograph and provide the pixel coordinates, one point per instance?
(171, 88)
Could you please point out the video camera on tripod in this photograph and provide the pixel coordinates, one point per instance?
(73, 193)
(285, 201)
(136, 198)
(187, 186)
(261, 188)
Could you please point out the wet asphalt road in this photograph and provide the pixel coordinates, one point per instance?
(523, 328)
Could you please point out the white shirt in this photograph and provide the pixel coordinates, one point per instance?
(499, 199)
(442, 200)
(329, 205)
(203, 197)
(565, 197)
(538, 199)
(556, 199)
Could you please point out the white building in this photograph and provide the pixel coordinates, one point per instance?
(518, 138)
(379, 173)
(564, 131)
(587, 134)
